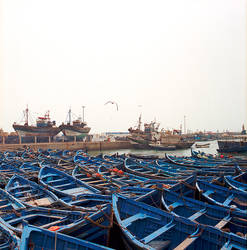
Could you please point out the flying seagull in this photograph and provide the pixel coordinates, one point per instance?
(112, 103)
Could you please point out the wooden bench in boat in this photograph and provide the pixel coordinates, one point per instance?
(31, 216)
(57, 180)
(228, 200)
(223, 222)
(40, 202)
(140, 216)
(64, 185)
(174, 205)
(189, 240)
(75, 191)
(197, 214)
(208, 192)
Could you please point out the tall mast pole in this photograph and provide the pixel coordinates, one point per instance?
(185, 124)
(26, 115)
(83, 107)
(69, 116)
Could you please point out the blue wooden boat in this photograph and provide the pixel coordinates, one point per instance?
(52, 219)
(204, 213)
(30, 168)
(238, 182)
(37, 238)
(8, 203)
(222, 196)
(30, 193)
(9, 170)
(95, 227)
(144, 171)
(8, 240)
(147, 227)
(86, 202)
(63, 184)
(190, 162)
(93, 178)
(120, 177)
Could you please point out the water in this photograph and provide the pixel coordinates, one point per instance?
(182, 152)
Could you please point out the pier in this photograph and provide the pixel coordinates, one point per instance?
(74, 145)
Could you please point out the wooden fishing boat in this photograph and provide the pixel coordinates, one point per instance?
(86, 202)
(31, 168)
(190, 162)
(8, 203)
(120, 177)
(94, 179)
(205, 145)
(204, 213)
(64, 184)
(9, 170)
(39, 238)
(29, 193)
(95, 227)
(8, 240)
(52, 219)
(147, 227)
(145, 171)
(238, 182)
(222, 196)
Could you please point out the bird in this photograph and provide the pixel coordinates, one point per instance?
(112, 103)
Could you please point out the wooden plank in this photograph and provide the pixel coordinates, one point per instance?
(228, 200)
(197, 214)
(133, 218)
(223, 222)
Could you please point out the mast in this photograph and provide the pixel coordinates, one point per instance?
(69, 116)
(26, 116)
(83, 107)
(139, 122)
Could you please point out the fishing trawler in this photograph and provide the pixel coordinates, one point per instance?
(152, 138)
(76, 127)
(44, 126)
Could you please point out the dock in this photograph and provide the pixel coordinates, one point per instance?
(88, 146)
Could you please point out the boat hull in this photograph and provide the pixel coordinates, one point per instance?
(232, 146)
(23, 131)
(69, 130)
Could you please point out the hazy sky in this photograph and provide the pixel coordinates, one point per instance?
(164, 59)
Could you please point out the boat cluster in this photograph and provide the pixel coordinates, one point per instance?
(52, 199)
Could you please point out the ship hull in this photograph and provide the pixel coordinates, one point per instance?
(232, 146)
(69, 130)
(24, 131)
(144, 144)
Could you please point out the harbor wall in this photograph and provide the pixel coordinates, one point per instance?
(89, 146)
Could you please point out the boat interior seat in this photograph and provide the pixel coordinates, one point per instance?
(228, 200)
(139, 216)
(197, 214)
(175, 204)
(223, 222)
(208, 192)
(57, 180)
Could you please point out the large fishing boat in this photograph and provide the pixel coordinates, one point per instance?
(44, 126)
(76, 128)
(152, 138)
(238, 144)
